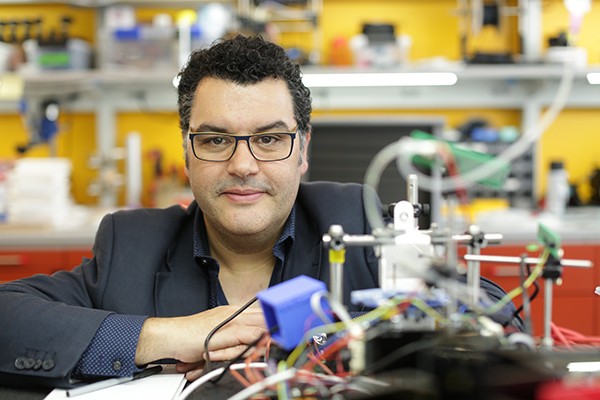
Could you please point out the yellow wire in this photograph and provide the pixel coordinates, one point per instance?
(378, 313)
(383, 312)
(386, 311)
(430, 311)
(537, 271)
(281, 386)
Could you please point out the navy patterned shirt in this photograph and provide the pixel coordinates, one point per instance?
(112, 349)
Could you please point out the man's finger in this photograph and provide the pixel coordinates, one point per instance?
(229, 353)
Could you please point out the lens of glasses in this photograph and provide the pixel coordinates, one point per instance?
(272, 146)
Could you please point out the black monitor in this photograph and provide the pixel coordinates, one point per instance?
(342, 148)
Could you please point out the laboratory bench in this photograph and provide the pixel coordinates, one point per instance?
(28, 249)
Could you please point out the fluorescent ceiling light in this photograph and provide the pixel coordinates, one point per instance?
(593, 78)
(586, 366)
(380, 79)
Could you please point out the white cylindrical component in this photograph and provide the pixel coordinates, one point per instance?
(547, 341)
(185, 42)
(133, 165)
(412, 187)
(557, 193)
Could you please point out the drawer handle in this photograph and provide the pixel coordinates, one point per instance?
(12, 260)
(506, 271)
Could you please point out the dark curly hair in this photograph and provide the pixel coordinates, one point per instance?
(243, 60)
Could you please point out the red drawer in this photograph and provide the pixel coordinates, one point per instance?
(21, 264)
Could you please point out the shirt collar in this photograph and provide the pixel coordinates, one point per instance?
(282, 246)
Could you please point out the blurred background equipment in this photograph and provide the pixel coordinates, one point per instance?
(41, 123)
(39, 192)
(493, 18)
(379, 46)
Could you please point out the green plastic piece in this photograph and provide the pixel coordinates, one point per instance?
(466, 160)
(58, 59)
(549, 239)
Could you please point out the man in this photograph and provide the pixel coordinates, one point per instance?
(161, 280)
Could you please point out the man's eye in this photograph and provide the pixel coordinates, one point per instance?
(215, 140)
(267, 139)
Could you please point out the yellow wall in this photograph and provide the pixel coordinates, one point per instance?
(434, 29)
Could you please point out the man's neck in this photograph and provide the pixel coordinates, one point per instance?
(242, 274)
(241, 261)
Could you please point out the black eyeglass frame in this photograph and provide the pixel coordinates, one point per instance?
(246, 138)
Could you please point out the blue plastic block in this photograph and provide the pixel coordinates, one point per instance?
(287, 309)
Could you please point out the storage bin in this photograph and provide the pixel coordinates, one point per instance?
(142, 47)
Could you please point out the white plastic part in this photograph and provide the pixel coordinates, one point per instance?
(403, 265)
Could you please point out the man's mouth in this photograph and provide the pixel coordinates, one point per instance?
(243, 195)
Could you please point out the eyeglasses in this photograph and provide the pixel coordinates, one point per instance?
(218, 147)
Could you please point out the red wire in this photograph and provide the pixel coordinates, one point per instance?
(570, 337)
(560, 336)
(325, 354)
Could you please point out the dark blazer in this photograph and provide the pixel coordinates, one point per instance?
(143, 264)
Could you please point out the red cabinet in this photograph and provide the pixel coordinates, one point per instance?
(21, 263)
(574, 303)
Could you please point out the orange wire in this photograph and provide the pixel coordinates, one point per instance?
(239, 377)
(320, 363)
(251, 373)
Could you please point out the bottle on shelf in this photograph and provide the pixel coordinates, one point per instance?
(557, 193)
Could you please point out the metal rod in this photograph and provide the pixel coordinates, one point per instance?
(370, 240)
(360, 240)
(547, 341)
(337, 282)
(527, 328)
(490, 238)
(473, 274)
(527, 260)
(337, 249)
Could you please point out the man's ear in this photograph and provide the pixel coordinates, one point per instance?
(304, 166)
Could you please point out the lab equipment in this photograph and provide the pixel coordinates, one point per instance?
(557, 193)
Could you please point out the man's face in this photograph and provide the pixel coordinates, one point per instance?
(243, 196)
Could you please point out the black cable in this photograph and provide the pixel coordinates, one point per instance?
(219, 326)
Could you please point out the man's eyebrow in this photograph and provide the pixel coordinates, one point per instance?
(276, 125)
(209, 128)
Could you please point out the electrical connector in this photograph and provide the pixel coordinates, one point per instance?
(287, 309)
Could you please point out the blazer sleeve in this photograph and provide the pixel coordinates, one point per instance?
(48, 321)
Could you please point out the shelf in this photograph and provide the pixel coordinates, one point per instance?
(505, 87)
(104, 3)
(497, 86)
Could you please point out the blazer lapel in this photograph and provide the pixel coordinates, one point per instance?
(305, 257)
(182, 287)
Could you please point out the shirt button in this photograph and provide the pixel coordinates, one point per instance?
(47, 365)
(117, 365)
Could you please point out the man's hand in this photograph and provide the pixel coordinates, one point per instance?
(182, 338)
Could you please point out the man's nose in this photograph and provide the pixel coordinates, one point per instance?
(242, 162)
